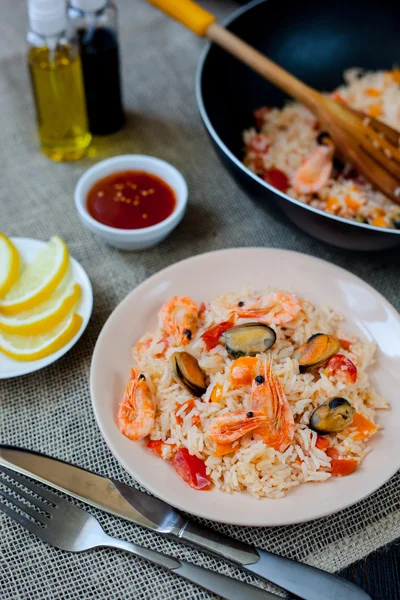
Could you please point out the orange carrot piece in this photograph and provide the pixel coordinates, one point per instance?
(352, 203)
(396, 75)
(332, 204)
(242, 370)
(379, 222)
(223, 449)
(374, 110)
(216, 394)
(373, 92)
(365, 427)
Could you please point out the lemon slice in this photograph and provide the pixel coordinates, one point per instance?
(39, 279)
(45, 316)
(35, 347)
(9, 264)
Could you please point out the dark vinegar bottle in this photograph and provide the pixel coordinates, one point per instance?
(96, 24)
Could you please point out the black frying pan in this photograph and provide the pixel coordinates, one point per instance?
(316, 40)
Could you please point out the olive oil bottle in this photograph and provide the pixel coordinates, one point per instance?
(57, 82)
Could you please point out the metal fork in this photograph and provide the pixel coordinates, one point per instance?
(67, 527)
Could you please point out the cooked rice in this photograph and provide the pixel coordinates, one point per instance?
(254, 467)
(286, 137)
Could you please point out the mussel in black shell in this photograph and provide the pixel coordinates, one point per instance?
(187, 371)
(248, 339)
(317, 350)
(333, 415)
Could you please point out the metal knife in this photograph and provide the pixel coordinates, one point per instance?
(121, 500)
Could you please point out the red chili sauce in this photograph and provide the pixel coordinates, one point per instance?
(131, 200)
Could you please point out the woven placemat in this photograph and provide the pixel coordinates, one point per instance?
(50, 410)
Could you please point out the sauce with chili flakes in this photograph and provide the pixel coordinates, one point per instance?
(131, 200)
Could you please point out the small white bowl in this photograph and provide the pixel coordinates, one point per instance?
(132, 239)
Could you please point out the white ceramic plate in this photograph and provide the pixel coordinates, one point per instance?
(28, 248)
(367, 314)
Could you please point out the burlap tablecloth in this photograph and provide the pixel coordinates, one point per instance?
(50, 410)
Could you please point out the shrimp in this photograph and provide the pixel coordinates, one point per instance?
(178, 317)
(136, 413)
(233, 425)
(315, 171)
(268, 398)
(276, 308)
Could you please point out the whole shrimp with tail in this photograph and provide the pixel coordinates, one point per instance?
(178, 317)
(137, 413)
(269, 399)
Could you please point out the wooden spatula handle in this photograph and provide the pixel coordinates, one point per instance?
(204, 24)
(263, 65)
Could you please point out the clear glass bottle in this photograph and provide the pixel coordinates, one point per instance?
(95, 22)
(56, 77)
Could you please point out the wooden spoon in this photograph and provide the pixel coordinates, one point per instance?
(370, 145)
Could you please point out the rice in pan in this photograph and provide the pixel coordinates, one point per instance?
(284, 139)
(180, 420)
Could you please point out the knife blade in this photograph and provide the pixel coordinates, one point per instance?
(119, 499)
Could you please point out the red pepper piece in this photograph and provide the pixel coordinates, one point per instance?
(212, 335)
(191, 469)
(277, 179)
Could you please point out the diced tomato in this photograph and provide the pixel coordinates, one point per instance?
(322, 443)
(191, 469)
(340, 467)
(242, 370)
(345, 344)
(188, 405)
(212, 335)
(202, 309)
(341, 367)
(365, 427)
(156, 446)
(223, 449)
(259, 115)
(277, 179)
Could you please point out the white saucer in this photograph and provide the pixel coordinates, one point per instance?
(28, 248)
(202, 277)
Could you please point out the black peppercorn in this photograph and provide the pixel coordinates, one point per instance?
(188, 333)
(142, 377)
(260, 379)
(241, 303)
(250, 414)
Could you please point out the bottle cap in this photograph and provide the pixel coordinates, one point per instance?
(47, 17)
(88, 5)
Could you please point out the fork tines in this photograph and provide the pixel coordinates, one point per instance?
(39, 506)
